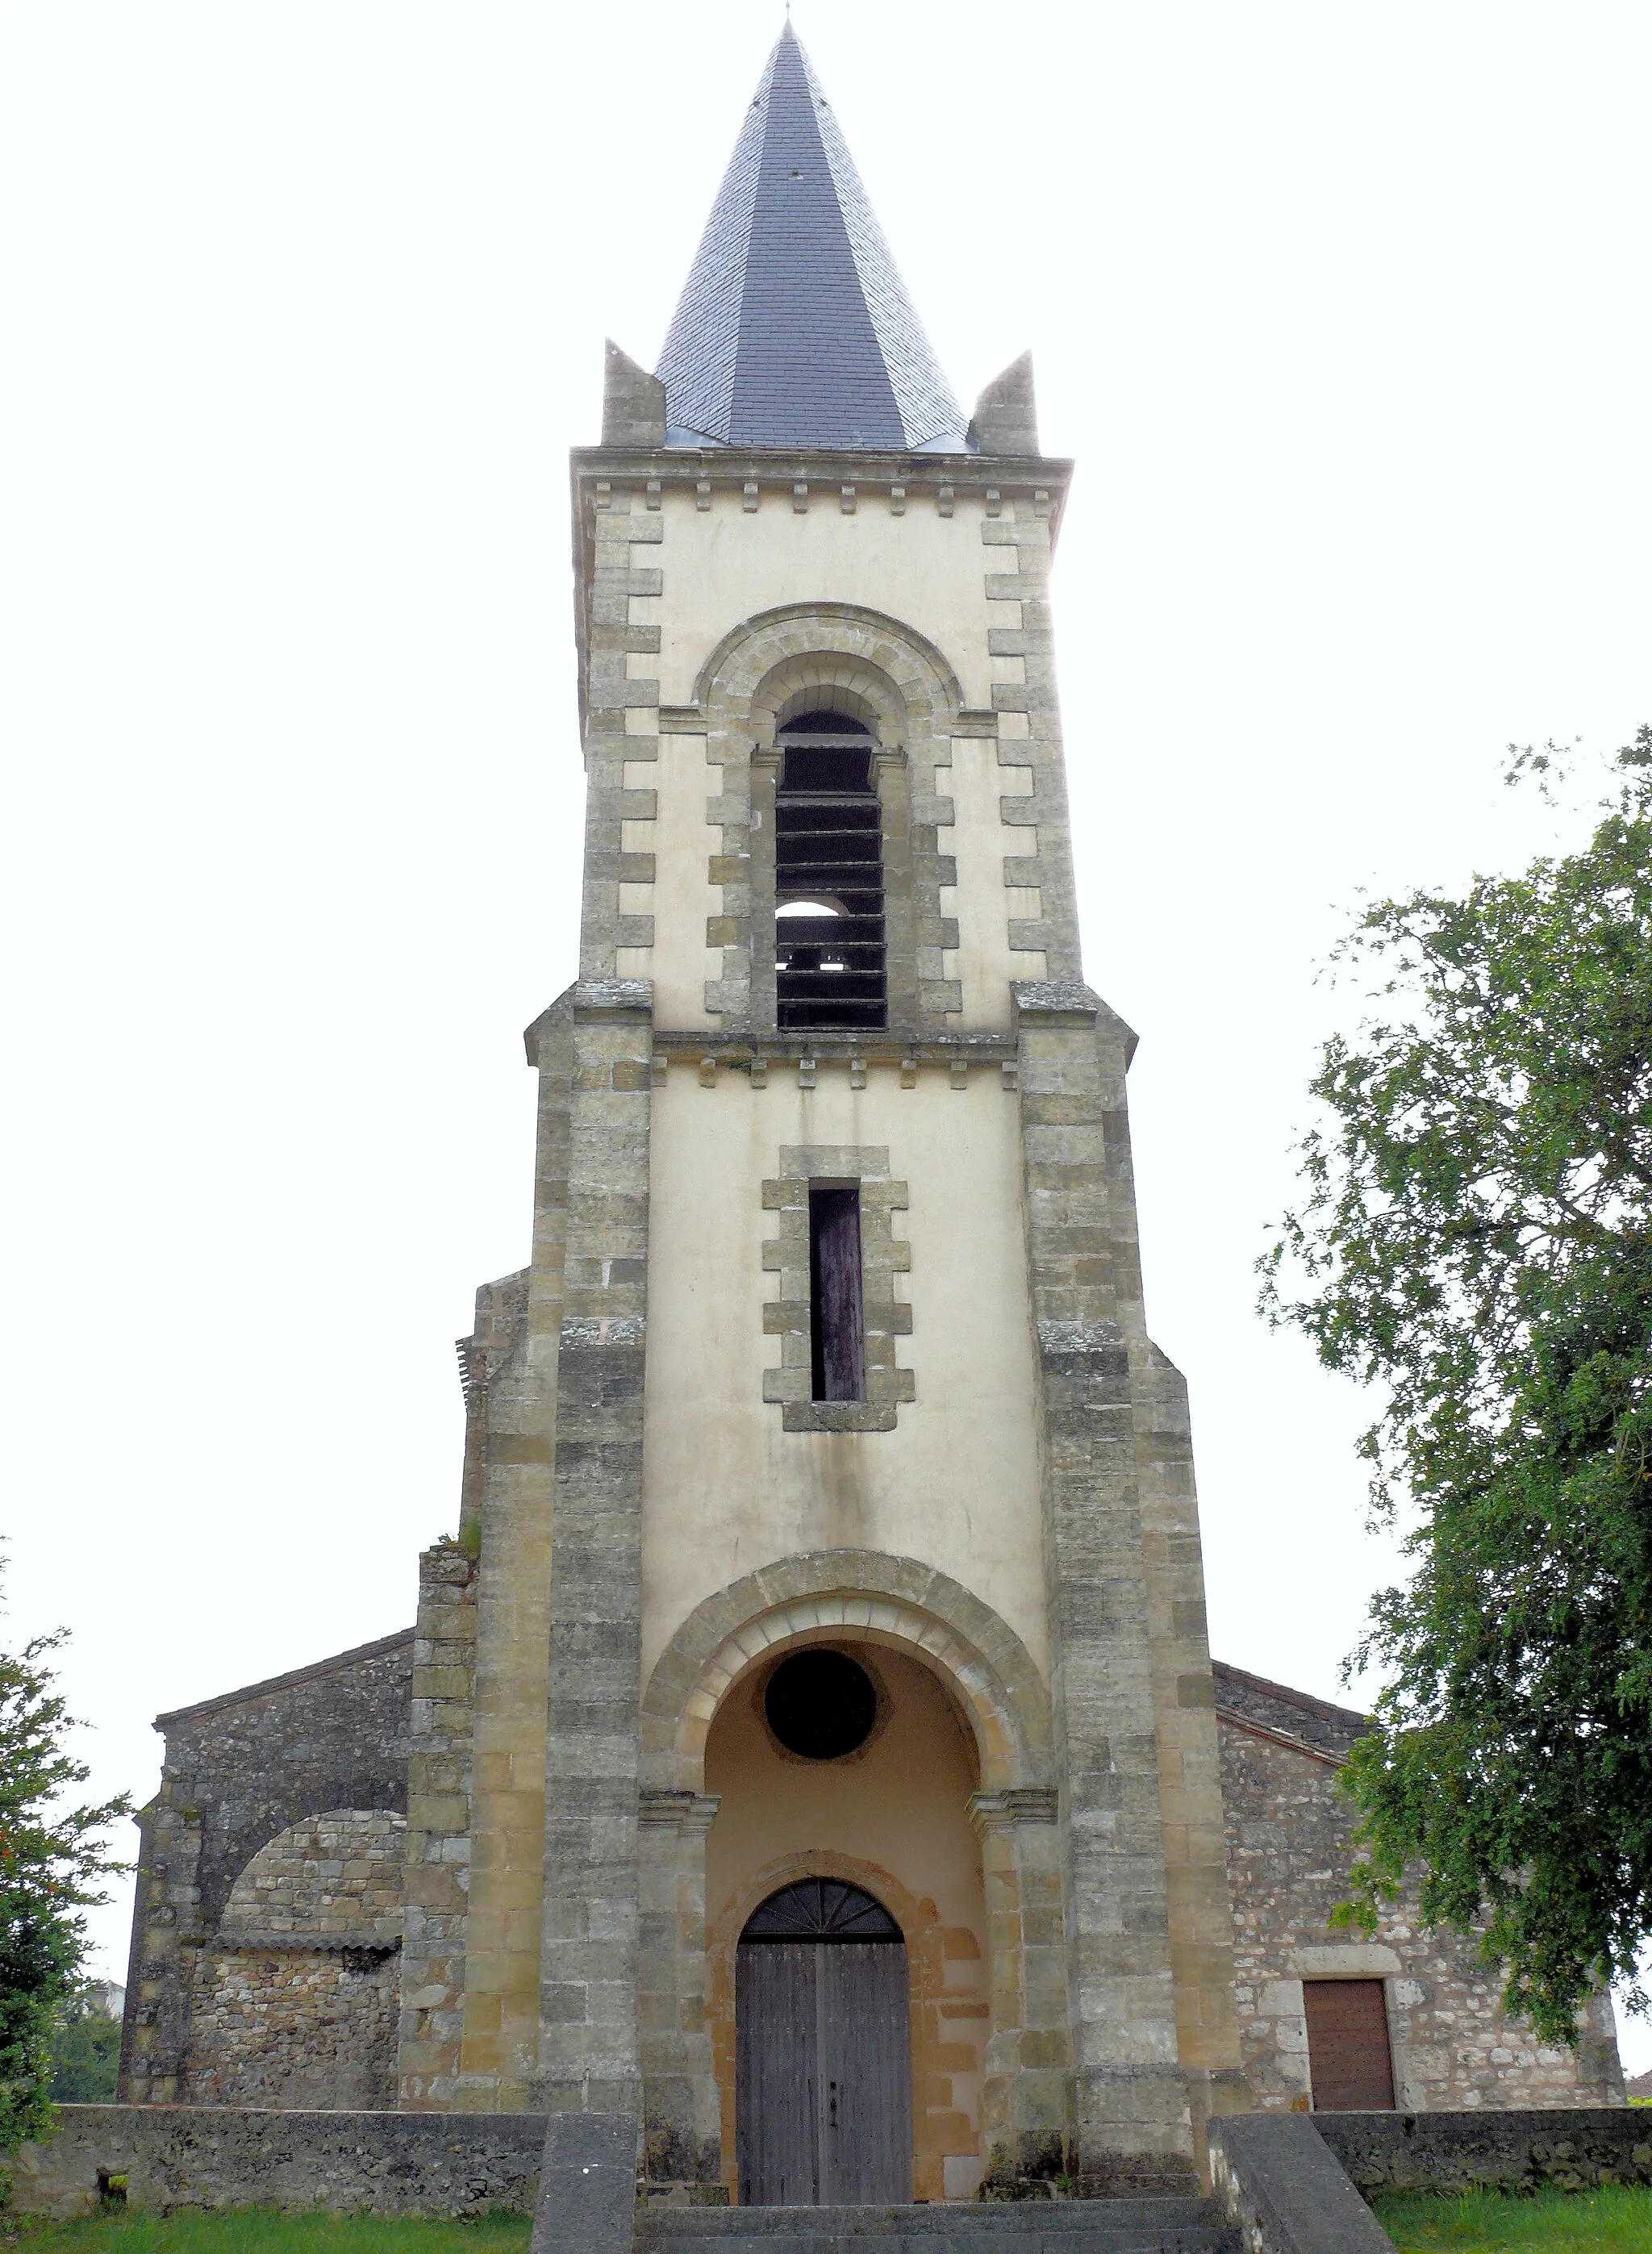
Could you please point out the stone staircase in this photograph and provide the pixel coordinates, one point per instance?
(1099, 2226)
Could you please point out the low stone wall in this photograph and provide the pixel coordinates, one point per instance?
(1574, 2149)
(1282, 2187)
(175, 2156)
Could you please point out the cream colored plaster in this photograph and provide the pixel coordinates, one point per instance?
(898, 1807)
(724, 566)
(902, 1801)
(984, 962)
(681, 897)
(956, 1484)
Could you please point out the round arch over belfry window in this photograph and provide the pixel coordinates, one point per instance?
(834, 657)
(831, 1596)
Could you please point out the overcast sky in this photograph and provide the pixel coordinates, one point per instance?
(1343, 311)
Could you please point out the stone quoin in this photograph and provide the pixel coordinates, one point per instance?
(830, 1342)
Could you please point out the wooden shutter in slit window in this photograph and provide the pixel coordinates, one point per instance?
(834, 1260)
(1349, 2062)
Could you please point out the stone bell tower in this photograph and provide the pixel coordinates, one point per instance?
(835, 1700)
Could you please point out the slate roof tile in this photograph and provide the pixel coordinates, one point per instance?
(794, 327)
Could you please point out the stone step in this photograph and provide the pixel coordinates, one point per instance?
(1100, 2226)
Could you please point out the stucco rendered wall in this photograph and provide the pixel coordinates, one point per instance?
(725, 564)
(716, 568)
(726, 1490)
(893, 1819)
(681, 897)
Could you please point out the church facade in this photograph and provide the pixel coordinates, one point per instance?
(809, 1743)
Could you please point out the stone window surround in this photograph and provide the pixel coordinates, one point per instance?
(840, 657)
(884, 1318)
(1369, 1961)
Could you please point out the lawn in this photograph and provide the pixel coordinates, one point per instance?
(262, 2230)
(1617, 2221)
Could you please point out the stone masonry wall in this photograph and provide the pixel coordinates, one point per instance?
(295, 2028)
(298, 2003)
(1289, 1851)
(176, 2156)
(238, 1771)
(440, 1826)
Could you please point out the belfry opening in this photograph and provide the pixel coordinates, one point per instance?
(829, 881)
(807, 1773)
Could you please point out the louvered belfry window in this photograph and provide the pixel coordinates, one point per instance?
(829, 877)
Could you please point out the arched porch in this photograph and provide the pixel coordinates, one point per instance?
(948, 1816)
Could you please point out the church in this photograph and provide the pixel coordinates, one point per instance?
(809, 1743)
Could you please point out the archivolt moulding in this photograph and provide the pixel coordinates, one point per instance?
(845, 657)
(852, 1595)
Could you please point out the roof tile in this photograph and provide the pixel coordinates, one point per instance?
(794, 328)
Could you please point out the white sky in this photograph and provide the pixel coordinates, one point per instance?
(1344, 312)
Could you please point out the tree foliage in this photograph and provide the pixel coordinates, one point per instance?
(86, 2048)
(52, 1858)
(1475, 1243)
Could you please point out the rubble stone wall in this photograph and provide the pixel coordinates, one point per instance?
(311, 2029)
(239, 1771)
(1289, 1849)
(298, 2003)
(176, 2156)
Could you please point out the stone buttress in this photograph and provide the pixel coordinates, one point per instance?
(829, 1366)
(1106, 1932)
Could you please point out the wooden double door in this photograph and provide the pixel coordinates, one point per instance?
(824, 2052)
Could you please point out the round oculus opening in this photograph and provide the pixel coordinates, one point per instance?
(819, 1704)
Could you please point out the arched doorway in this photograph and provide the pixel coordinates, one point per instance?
(822, 2051)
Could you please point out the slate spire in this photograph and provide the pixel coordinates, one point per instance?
(794, 328)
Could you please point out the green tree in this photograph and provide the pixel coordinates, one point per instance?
(1475, 1241)
(86, 2048)
(51, 1857)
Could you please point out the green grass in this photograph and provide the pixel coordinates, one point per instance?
(1616, 2221)
(262, 2230)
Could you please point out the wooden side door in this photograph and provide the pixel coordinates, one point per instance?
(1350, 2063)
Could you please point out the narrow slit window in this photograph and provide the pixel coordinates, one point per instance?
(833, 1295)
